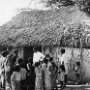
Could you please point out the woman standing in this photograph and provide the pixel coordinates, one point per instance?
(39, 81)
(15, 79)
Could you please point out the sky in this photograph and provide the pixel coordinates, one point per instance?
(8, 9)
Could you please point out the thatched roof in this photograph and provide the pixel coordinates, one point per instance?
(52, 27)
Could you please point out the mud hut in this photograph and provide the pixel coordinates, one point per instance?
(51, 30)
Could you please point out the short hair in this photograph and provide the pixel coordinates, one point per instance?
(5, 53)
(45, 60)
(35, 49)
(37, 64)
(20, 60)
(17, 68)
(51, 59)
(62, 51)
(16, 52)
(78, 63)
(62, 62)
(47, 55)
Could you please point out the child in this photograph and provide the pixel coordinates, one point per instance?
(77, 72)
(62, 76)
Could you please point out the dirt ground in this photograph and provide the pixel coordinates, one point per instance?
(76, 88)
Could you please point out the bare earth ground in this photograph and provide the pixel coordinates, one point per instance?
(79, 88)
(76, 87)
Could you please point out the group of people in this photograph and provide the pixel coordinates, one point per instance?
(48, 72)
(42, 74)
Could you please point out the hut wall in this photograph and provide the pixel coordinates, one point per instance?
(73, 55)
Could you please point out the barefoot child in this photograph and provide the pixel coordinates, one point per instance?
(62, 76)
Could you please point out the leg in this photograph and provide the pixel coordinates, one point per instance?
(65, 80)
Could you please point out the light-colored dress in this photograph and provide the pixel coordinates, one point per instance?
(39, 81)
(47, 75)
(15, 81)
(2, 69)
(61, 76)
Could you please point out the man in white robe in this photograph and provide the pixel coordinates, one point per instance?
(38, 56)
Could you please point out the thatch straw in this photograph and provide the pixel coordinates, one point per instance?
(52, 27)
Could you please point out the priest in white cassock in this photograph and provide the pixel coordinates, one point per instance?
(37, 56)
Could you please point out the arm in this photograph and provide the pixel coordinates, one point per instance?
(13, 77)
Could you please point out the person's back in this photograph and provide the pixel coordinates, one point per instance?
(37, 56)
(23, 73)
(16, 78)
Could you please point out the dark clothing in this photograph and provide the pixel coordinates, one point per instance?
(65, 78)
(10, 63)
(31, 79)
(63, 67)
(62, 84)
(23, 85)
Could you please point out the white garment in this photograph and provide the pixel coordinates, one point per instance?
(64, 58)
(16, 76)
(62, 76)
(23, 73)
(2, 61)
(38, 56)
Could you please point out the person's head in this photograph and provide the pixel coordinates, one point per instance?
(41, 62)
(45, 60)
(62, 62)
(17, 68)
(5, 53)
(62, 51)
(78, 63)
(35, 49)
(51, 59)
(16, 52)
(20, 61)
(47, 56)
(57, 59)
(37, 64)
(29, 59)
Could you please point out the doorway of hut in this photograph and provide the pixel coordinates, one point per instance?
(28, 52)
